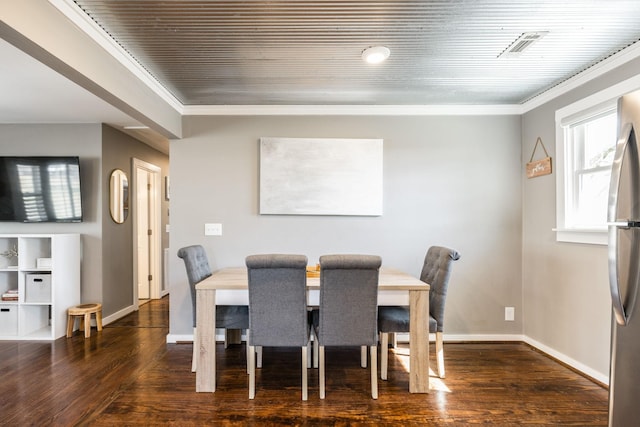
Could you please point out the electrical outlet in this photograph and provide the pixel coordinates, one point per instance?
(213, 229)
(510, 314)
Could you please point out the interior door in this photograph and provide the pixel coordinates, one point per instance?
(143, 234)
(147, 243)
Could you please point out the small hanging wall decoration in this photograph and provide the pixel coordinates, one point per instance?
(539, 167)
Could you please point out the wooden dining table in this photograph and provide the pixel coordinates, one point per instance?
(236, 278)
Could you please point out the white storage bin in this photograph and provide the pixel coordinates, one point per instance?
(8, 320)
(38, 288)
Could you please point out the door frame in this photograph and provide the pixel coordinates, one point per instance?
(155, 223)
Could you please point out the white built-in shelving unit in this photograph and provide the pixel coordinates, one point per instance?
(46, 273)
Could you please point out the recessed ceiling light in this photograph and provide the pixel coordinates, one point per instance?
(375, 54)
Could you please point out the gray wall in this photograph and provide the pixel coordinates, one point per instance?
(453, 181)
(117, 239)
(66, 140)
(565, 285)
(107, 263)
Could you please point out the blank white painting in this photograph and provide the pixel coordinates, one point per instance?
(320, 176)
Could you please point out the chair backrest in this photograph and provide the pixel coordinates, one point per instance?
(436, 272)
(278, 300)
(197, 266)
(349, 300)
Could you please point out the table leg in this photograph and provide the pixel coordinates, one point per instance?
(206, 340)
(419, 342)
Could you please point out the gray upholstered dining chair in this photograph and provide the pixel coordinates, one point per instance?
(347, 315)
(278, 314)
(436, 271)
(227, 316)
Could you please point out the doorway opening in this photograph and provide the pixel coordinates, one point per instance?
(146, 232)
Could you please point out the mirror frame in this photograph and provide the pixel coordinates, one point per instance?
(119, 196)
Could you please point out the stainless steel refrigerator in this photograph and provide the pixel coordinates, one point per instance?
(624, 267)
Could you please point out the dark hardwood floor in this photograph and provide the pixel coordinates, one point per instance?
(128, 375)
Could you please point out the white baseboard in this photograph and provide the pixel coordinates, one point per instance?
(118, 315)
(184, 338)
(404, 337)
(176, 338)
(598, 376)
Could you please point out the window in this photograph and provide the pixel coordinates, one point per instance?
(590, 149)
(587, 146)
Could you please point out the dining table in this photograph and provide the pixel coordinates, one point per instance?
(236, 278)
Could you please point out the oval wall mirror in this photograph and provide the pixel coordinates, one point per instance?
(119, 189)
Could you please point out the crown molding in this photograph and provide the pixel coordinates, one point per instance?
(616, 60)
(74, 13)
(350, 110)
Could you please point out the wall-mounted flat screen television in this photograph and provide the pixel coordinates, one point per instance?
(40, 189)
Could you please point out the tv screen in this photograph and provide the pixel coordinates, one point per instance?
(40, 189)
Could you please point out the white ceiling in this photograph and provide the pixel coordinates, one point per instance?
(33, 93)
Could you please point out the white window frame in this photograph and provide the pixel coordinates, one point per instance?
(581, 110)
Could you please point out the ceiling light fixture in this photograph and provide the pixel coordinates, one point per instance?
(136, 127)
(375, 54)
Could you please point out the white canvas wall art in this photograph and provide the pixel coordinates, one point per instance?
(320, 176)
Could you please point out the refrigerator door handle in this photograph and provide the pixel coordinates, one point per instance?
(612, 213)
(625, 224)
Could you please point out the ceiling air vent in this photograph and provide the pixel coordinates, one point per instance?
(522, 43)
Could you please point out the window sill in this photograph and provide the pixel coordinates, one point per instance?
(591, 237)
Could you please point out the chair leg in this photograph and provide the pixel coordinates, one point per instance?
(196, 346)
(440, 353)
(305, 386)
(315, 351)
(248, 349)
(252, 372)
(321, 371)
(309, 355)
(374, 371)
(384, 354)
(363, 356)
(259, 351)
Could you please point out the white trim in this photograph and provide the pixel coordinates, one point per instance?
(626, 55)
(404, 337)
(592, 237)
(564, 116)
(180, 338)
(606, 95)
(353, 110)
(118, 315)
(598, 376)
(176, 338)
(482, 337)
(74, 13)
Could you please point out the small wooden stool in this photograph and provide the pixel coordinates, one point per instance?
(84, 310)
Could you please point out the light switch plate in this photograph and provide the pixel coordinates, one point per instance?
(213, 229)
(509, 314)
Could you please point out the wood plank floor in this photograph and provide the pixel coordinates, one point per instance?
(128, 375)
